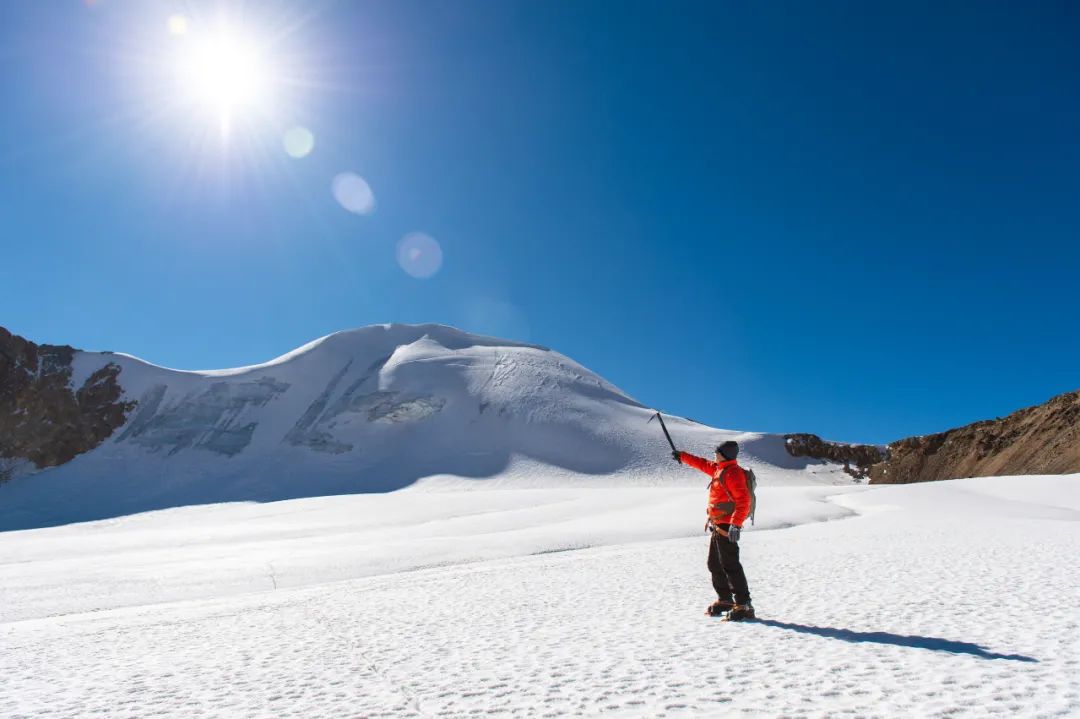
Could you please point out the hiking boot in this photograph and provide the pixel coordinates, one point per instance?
(741, 612)
(719, 607)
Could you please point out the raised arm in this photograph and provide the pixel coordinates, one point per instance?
(698, 463)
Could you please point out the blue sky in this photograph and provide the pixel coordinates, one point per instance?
(854, 219)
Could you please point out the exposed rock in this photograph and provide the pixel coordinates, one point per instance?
(44, 421)
(393, 408)
(1044, 439)
(856, 458)
(206, 419)
(313, 428)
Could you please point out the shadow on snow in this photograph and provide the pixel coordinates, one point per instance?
(900, 640)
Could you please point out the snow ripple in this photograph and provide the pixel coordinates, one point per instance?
(863, 618)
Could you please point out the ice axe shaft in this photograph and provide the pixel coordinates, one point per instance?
(664, 427)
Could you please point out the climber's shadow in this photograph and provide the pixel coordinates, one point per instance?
(900, 640)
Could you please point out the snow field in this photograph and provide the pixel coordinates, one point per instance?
(951, 599)
(213, 551)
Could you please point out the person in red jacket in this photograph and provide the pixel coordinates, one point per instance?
(729, 506)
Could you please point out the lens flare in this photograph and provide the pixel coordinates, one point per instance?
(353, 193)
(498, 318)
(178, 25)
(298, 142)
(419, 255)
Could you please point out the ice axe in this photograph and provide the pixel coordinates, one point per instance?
(663, 427)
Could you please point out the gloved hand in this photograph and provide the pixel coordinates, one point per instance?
(733, 533)
(676, 456)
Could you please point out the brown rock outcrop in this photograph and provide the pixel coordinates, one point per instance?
(43, 420)
(856, 458)
(1044, 439)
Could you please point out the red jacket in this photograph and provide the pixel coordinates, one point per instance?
(729, 501)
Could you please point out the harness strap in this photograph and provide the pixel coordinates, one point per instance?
(720, 479)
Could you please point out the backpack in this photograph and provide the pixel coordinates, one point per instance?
(751, 486)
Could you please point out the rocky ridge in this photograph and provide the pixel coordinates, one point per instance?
(856, 458)
(1044, 439)
(44, 421)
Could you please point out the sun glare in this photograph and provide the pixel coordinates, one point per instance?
(224, 73)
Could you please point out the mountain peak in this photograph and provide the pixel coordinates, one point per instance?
(370, 409)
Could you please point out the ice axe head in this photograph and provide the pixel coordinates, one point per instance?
(663, 427)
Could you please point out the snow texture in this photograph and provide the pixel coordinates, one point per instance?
(944, 599)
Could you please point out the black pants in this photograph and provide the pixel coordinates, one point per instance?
(728, 577)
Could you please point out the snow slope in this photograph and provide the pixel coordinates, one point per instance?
(371, 410)
(943, 599)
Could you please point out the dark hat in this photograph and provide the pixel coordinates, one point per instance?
(729, 450)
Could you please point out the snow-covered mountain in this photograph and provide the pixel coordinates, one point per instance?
(574, 585)
(367, 410)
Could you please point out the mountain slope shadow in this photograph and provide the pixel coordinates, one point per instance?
(900, 640)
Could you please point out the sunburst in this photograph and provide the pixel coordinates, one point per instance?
(222, 72)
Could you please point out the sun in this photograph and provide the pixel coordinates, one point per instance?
(223, 73)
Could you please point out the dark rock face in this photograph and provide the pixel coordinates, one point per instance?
(43, 420)
(1044, 439)
(856, 458)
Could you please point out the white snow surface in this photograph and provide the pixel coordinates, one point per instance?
(373, 410)
(411, 521)
(946, 599)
